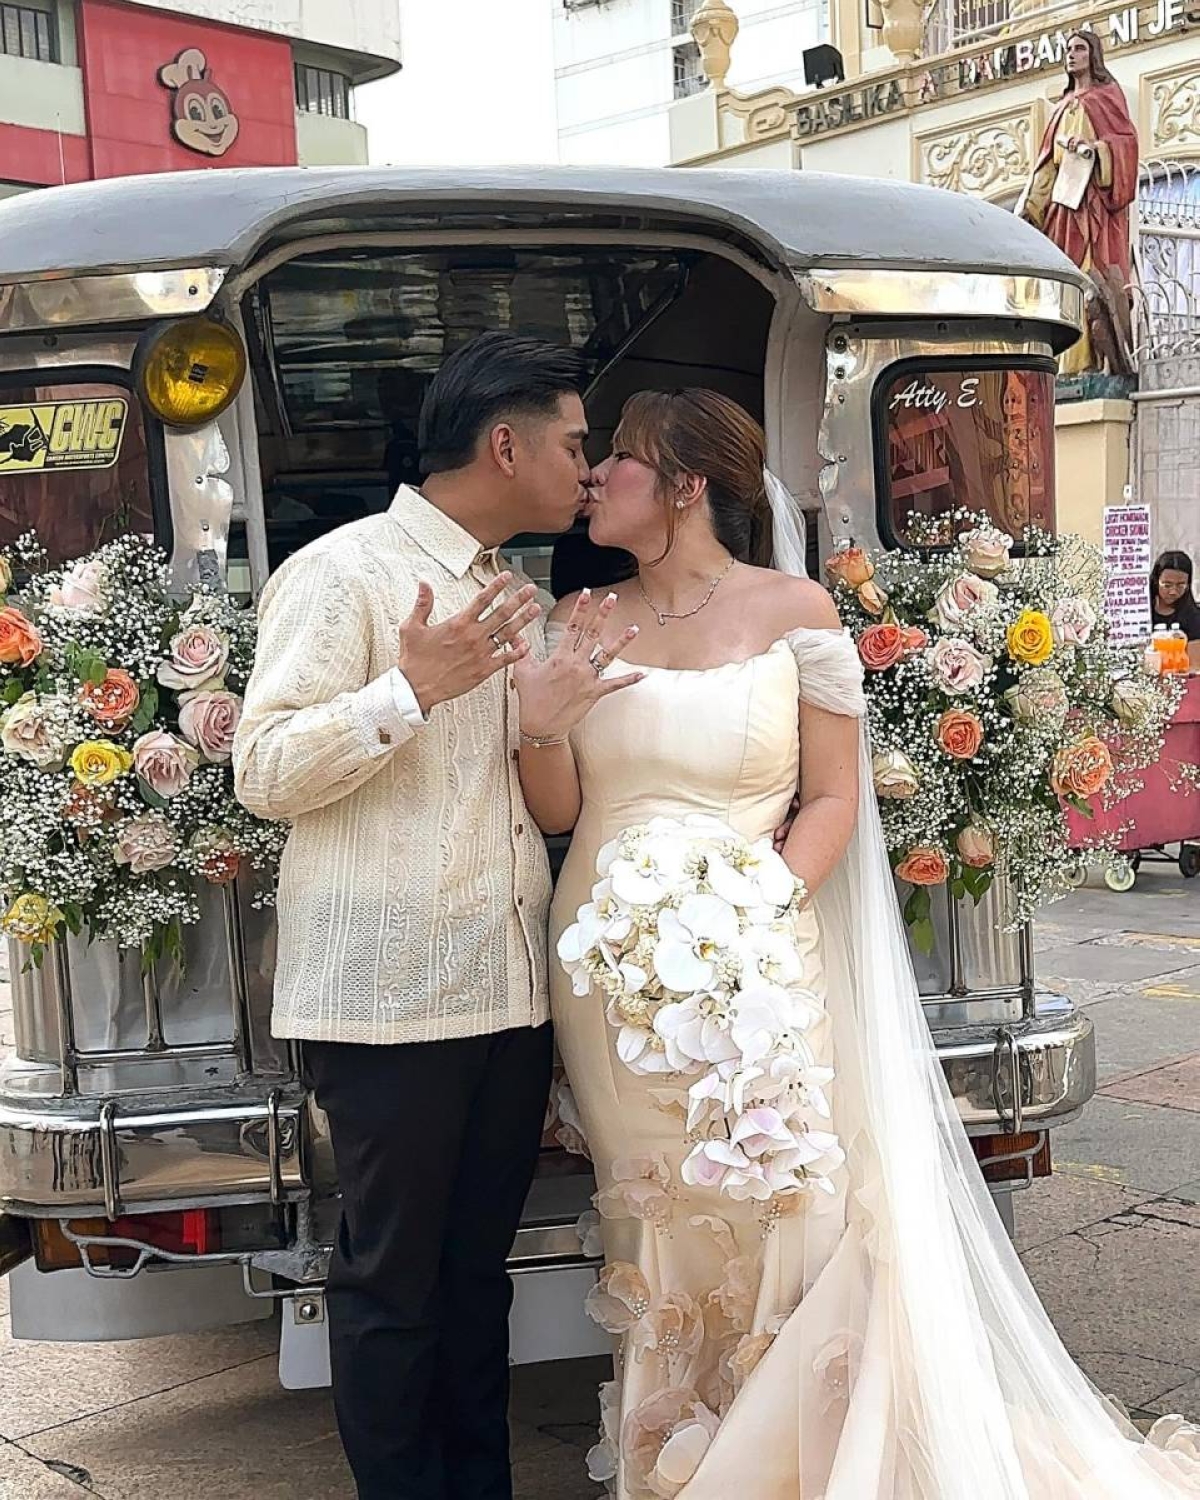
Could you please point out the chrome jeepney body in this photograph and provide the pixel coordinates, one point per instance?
(129, 1096)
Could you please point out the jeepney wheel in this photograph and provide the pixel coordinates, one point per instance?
(1120, 878)
(1189, 861)
(1077, 875)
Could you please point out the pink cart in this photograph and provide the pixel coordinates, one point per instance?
(1165, 814)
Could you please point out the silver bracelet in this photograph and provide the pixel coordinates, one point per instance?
(542, 741)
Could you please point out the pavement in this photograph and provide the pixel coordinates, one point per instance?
(1111, 1240)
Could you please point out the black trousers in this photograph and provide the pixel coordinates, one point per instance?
(436, 1145)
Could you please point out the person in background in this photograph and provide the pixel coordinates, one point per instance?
(1171, 599)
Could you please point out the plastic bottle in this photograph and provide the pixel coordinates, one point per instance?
(1177, 660)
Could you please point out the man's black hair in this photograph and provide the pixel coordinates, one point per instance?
(494, 376)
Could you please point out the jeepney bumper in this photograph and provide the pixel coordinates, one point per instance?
(1031, 1074)
(247, 1144)
(143, 1153)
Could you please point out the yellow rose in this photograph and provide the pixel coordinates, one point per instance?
(1031, 637)
(97, 762)
(31, 919)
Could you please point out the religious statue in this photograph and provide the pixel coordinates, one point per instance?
(1079, 194)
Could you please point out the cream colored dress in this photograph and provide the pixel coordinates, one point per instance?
(718, 1276)
(879, 1342)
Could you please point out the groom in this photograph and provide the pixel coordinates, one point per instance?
(380, 721)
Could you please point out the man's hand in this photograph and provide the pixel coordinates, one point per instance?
(447, 660)
(780, 836)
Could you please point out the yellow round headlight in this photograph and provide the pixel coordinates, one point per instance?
(191, 370)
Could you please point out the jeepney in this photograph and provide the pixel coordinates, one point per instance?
(162, 1165)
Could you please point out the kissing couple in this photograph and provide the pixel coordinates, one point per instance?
(810, 1293)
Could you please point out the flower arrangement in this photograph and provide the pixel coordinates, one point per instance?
(995, 701)
(119, 709)
(689, 936)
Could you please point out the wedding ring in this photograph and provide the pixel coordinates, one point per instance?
(599, 659)
(496, 641)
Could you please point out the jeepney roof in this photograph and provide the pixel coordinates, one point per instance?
(222, 218)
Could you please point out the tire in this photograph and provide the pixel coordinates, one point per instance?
(1077, 876)
(1189, 861)
(1120, 880)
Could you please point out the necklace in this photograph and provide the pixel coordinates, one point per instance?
(663, 615)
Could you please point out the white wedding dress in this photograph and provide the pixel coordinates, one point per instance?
(879, 1343)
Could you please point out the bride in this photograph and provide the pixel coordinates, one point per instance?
(861, 1329)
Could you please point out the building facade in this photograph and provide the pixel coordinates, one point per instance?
(957, 94)
(102, 88)
(621, 64)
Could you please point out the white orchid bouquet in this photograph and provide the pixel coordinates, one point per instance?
(995, 702)
(689, 937)
(118, 708)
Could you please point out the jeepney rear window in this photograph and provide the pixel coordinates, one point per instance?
(73, 465)
(952, 438)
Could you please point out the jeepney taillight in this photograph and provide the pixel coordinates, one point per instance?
(1012, 1158)
(191, 1231)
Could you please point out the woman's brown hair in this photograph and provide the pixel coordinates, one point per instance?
(698, 431)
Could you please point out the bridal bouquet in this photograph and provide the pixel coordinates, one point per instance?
(995, 701)
(689, 937)
(118, 707)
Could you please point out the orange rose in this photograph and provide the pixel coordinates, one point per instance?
(872, 598)
(112, 702)
(959, 733)
(19, 640)
(1081, 769)
(881, 646)
(851, 566)
(924, 866)
(915, 639)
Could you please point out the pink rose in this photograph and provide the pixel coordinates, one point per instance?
(1073, 621)
(959, 599)
(985, 552)
(957, 666)
(881, 647)
(976, 845)
(924, 865)
(84, 588)
(164, 763)
(197, 660)
(145, 844)
(209, 721)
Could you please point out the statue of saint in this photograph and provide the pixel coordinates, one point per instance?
(1079, 194)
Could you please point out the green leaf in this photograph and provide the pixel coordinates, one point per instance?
(958, 887)
(1084, 809)
(73, 917)
(150, 797)
(13, 691)
(923, 935)
(147, 708)
(916, 908)
(97, 670)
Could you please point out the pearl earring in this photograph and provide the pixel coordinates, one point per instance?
(679, 505)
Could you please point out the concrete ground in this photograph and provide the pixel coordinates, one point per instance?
(1112, 1242)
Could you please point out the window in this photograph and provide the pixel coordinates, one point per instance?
(950, 24)
(955, 437)
(28, 32)
(689, 75)
(75, 464)
(320, 91)
(682, 12)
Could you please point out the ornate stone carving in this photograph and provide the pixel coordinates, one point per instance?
(715, 27)
(987, 160)
(1175, 110)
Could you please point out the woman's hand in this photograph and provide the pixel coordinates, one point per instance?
(556, 694)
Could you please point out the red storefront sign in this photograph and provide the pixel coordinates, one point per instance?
(165, 93)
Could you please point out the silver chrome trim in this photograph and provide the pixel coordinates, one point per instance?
(1051, 1073)
(235, 1146)
(123, 297)
(864, 291)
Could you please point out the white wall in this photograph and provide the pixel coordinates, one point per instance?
(614, 74)
(371, 26)
(40, 96)
(477, 86)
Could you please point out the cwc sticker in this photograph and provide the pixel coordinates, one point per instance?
(61, 435)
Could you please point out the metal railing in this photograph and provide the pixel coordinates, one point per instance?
(951, 25)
